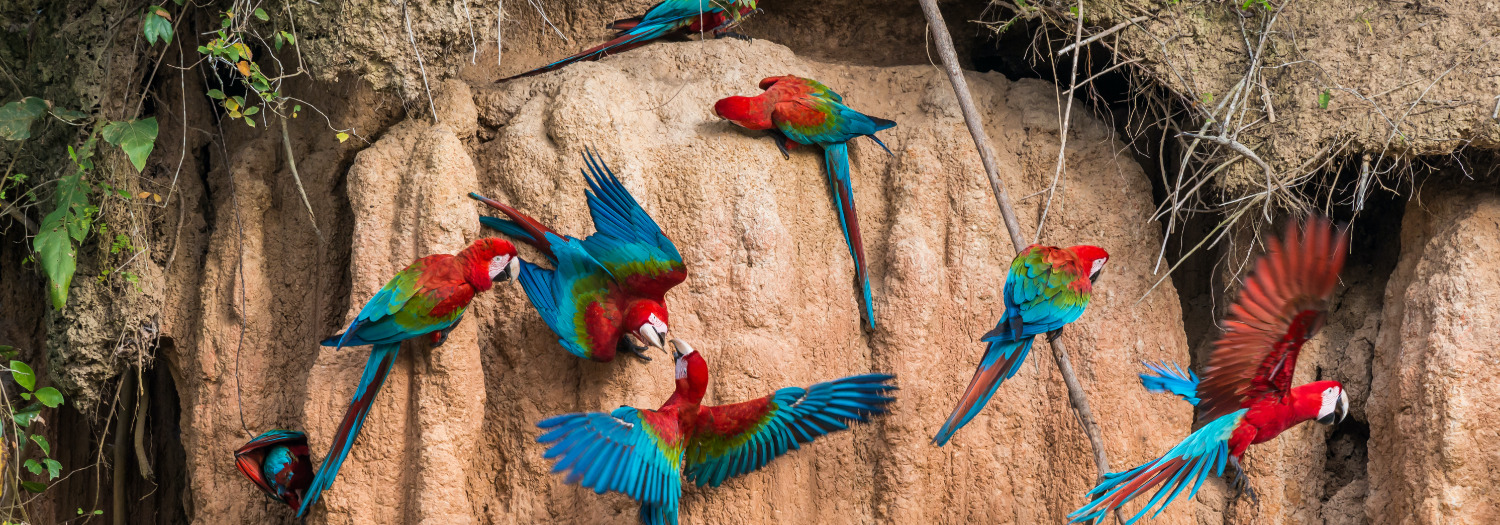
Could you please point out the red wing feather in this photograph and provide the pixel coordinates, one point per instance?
(1280, 307)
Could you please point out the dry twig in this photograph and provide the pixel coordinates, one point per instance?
(1096, 36)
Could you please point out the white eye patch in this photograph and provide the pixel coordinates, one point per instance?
(1330, 402)
(656, 322)
(1098, 265)
(497, 265)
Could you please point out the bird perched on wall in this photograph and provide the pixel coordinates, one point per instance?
(608, 287)
(804, 111)
(644, 453)
(1047, 288)
(1246, 395)
(428, 298)
(276, 461)
(668, 18)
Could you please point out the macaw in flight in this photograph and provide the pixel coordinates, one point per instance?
(804, 111)
(608, 287)
(1048, 287)
(668, 18)
(1246, 395)
(428, 298)
(645, 453)
(276, 461)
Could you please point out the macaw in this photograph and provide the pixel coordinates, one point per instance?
(665, 19)
(607, 287)
(276, 461)
(428, 298)
(645, 454)
(1048, 287)
(1246, 395)
(804, 111)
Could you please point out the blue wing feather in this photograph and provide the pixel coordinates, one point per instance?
(1186, 465)
(1169, 378)
(618, 452)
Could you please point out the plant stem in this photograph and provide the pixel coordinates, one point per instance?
(291, 161)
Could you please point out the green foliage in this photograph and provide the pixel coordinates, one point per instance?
(136, 137)
(23, 375)
(1324, 98)
(29, 415)
(1247, 4)
(16, 117)
(61, 230)
(157, 25)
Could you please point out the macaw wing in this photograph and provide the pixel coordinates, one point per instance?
(1281, 306)
(1168, 378)
(795, 83)
(631, 451)
(673, 13)
(813, 120)
(563, 296)
(1044, 291)
(732, 440)
(249, 457)
(1202, 453)
(629, 243)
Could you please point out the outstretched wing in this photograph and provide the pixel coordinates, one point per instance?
(642, 259)
(1281, 306)
(1044, 291)
(631, 451)
(565, 296)
(731, 440)
(1204, 452)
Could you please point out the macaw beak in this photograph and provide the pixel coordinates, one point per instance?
(650, 336)
(1340, 411)
(1095, 278)
(680, 348)
(511, 271)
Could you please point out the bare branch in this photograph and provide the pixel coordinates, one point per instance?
(1102, 34)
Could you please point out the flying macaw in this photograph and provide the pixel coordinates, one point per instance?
(605, 288)
(665, 19)
(804, 111)
(276, 461)
(1048, 287)
(427, 298)
(645, 453)
(1246, 395)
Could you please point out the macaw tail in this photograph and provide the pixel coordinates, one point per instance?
(1171, 379)
(625, 24)
(836, 156)
(652, 514)
(377, 367)
(1187, 464)
(1001, 361)
(636, 36)
(520, 225)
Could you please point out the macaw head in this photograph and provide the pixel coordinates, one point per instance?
(692, 371)
(277, 462)
(748, 112)
(647, 320)
(490, 259)
(1091, 258)
(1323, 401)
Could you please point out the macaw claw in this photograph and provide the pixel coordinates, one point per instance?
(633, 348)
(1054, 335)
(734, 35)
(1241, 482)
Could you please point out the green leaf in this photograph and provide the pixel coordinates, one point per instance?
(49, 396)
(67, 224)
(249, 121)
(290, 38)
(341, 136)
(23, 375)
(215, 94)
(157, 26)
(8, 352)
(42, 442)
(16, 117)
(54, 468)
(1324, 98)
(34, 486)
(277, 39)
(24, 416)
(136, 137)
(261, 14)
(251, 110)
(33, 466)
(26, 396)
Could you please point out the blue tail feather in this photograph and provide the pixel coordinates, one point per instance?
(377, 367)
(1002, 359)
(836, 157)
(1204, 452)
(1169, 378)
(508, 227)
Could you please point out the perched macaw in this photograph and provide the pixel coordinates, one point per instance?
(645, 453)
(1246, 395)
(804, 111)
(276, 461)
(665, 19)
(1048, 287)
(427, 298)
(605, 288)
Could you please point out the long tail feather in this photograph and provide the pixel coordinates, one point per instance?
(1186, 465)
(377, 367)
(1169, 378)
(836, 156)
(1001, 361)
(635, 37)
(520, 225)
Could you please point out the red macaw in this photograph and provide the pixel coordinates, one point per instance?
(427, 298)
(1048, 287)
(667, 18)
(276, 461)
(607, 288)
(644, 453)
(804, 111)
(1246, 394)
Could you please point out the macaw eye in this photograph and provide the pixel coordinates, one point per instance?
(1098, 267)
(497, 265)
(656, 322)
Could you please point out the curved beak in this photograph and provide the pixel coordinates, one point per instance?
(650, 336)
(1343, 408)
(513, 270)
(680, 348)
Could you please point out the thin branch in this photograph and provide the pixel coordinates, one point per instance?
(291, 161)
(19, 216)
(499, 30)
(1086, 81)
(973, 120)
(1238, 148)
(1062, 146)
(1101, 34)
(411, 37)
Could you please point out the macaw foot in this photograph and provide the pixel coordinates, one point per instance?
(782, 146)
(734, 35)
(633, 348)
(439, 337)
(1053, 335)
(1241, 482)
